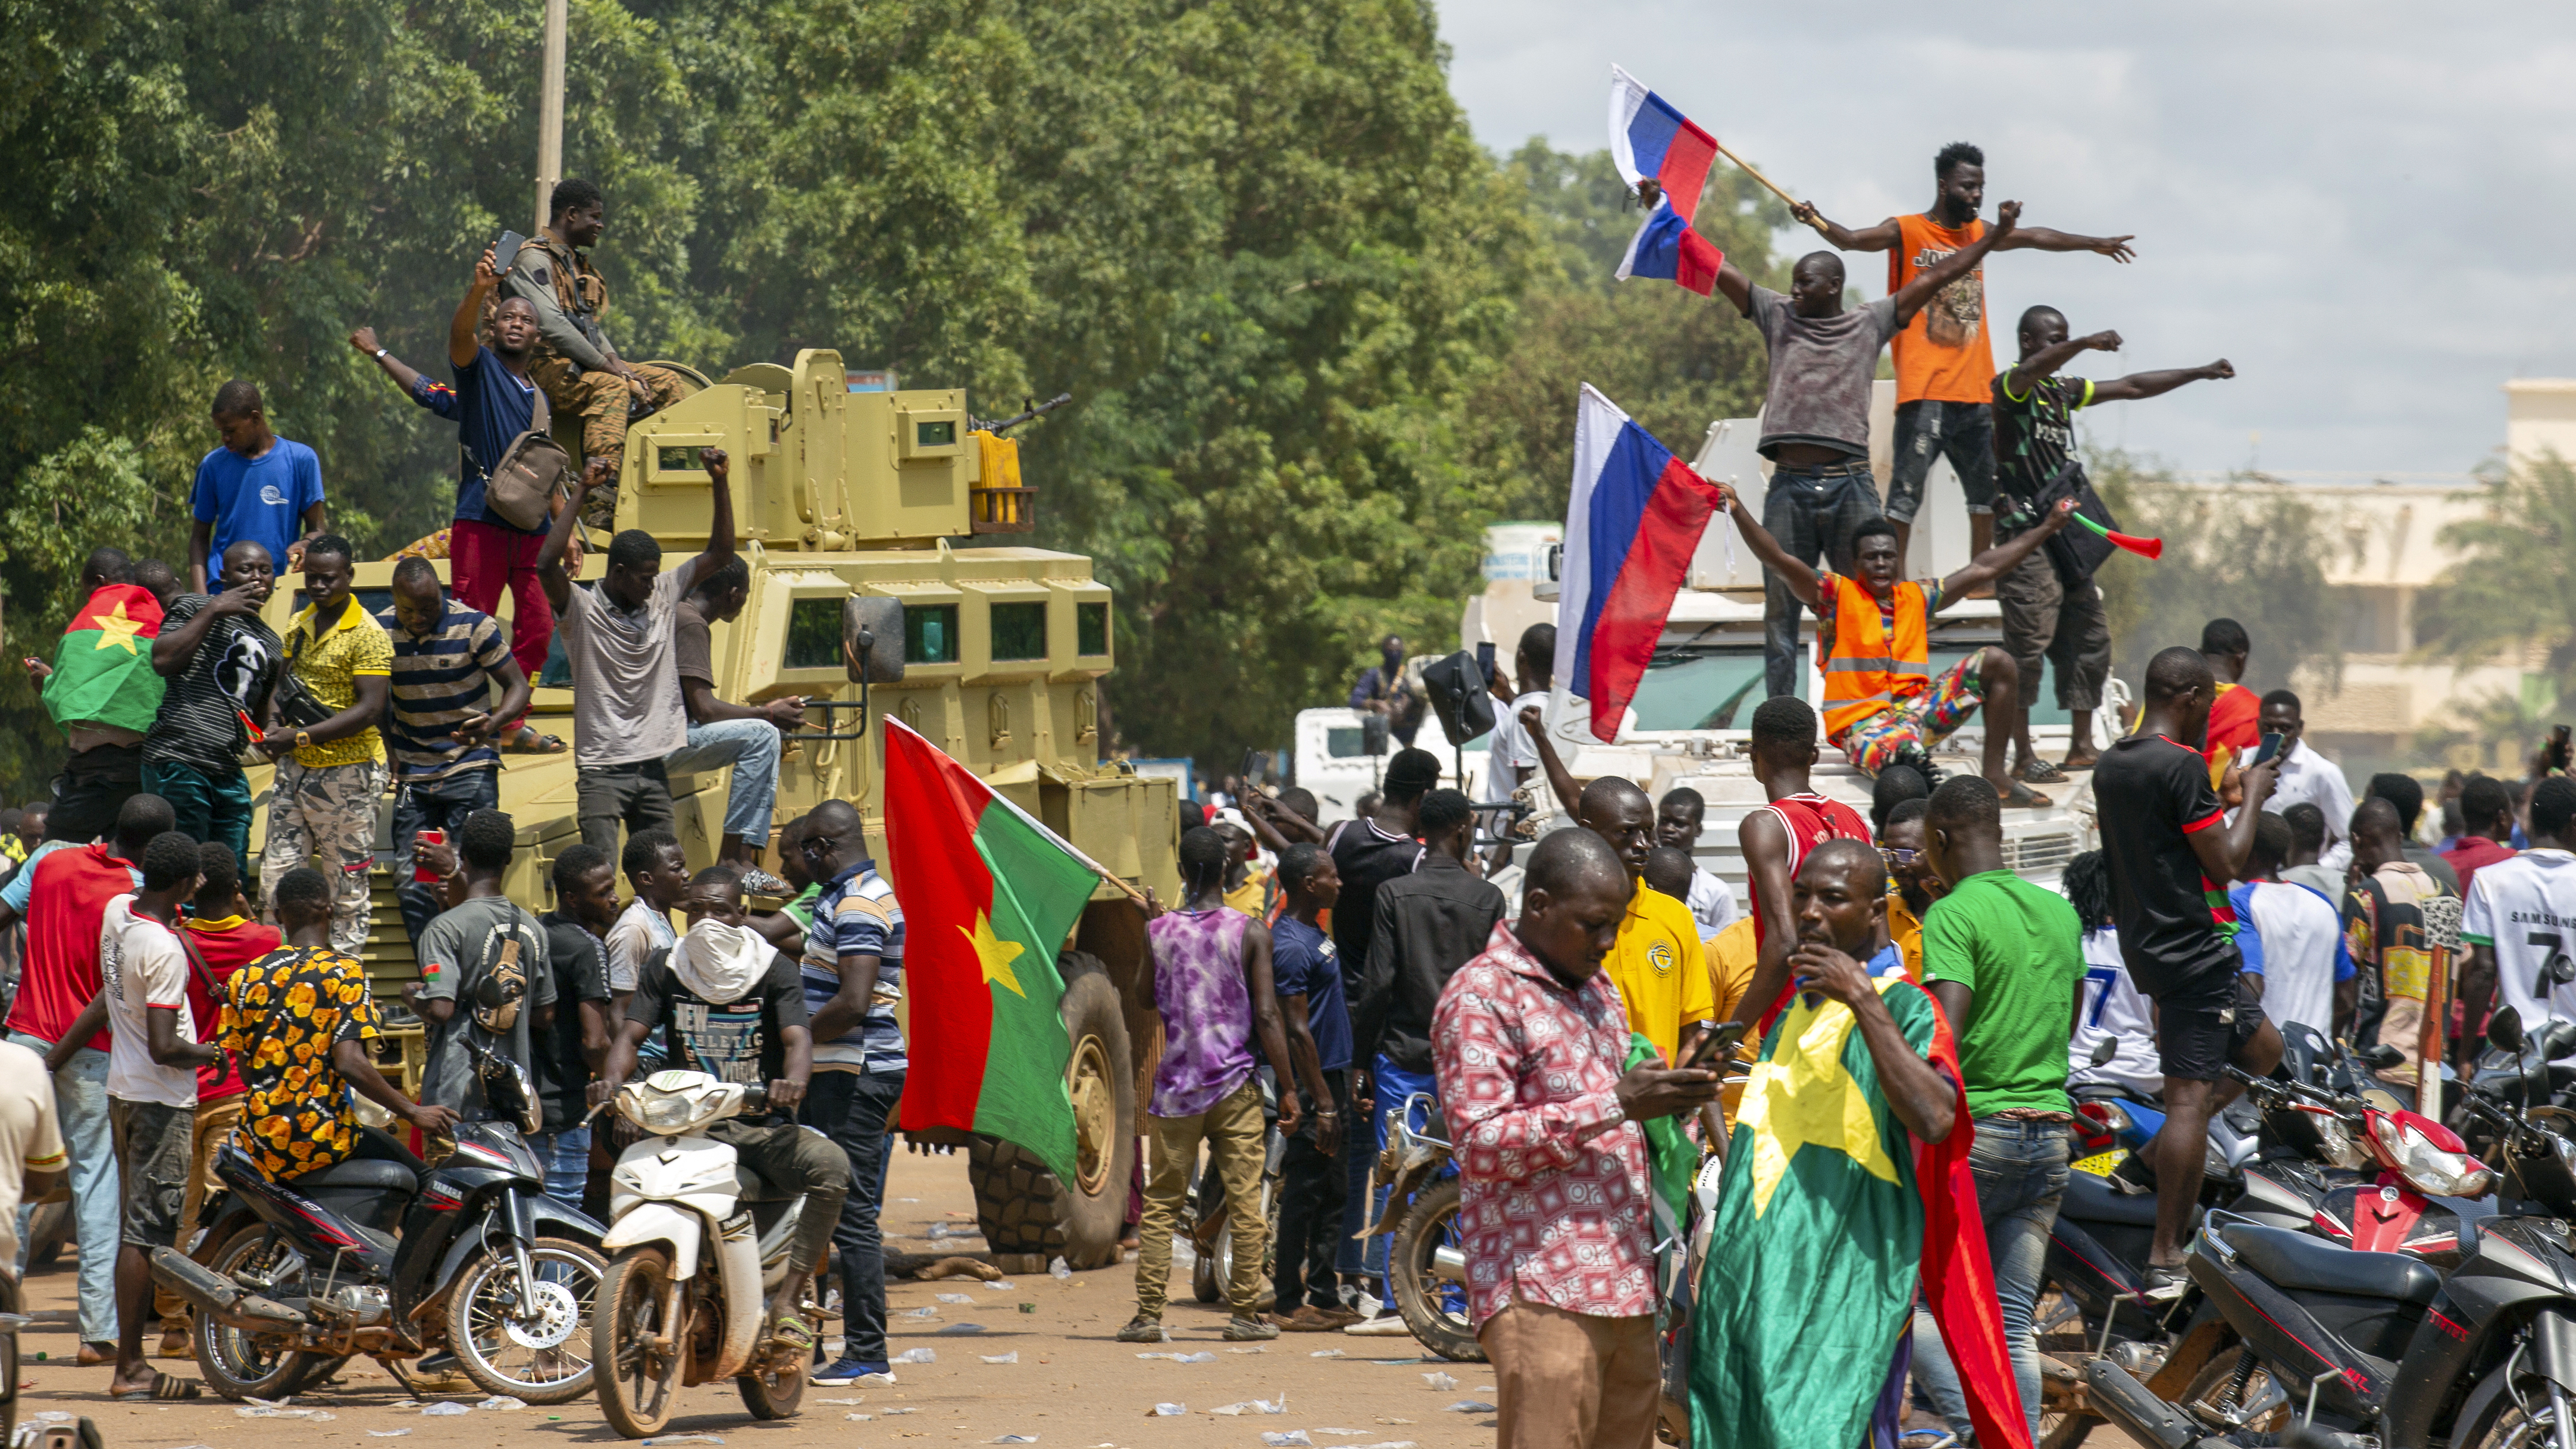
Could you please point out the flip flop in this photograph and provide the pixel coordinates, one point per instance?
(2040, 772)
(529, 742)
(792, 1331)
(2022, 797)
(165, 1388)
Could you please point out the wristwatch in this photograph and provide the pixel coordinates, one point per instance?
(380, 353)
(303, 739)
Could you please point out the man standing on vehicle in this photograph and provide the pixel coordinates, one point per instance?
(853, 981)
(1776, 839)
(1530, 1039)
(1944, 360)
(447, 658)
(736, 1011)
(721, 733)
(1213, 986)
(102, 693)
(625, 671)
(2005, 959)
(331, 775)
(574, 361)
(2172, 852)
(1815, 418)
(218, 662)
(254, 485)
(1874, 646)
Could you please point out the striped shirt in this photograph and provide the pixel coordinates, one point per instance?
(438, 680)
(857, 915)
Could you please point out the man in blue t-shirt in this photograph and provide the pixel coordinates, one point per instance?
(495, 403)
(853, 971)
(1307, 974)
(257, 486)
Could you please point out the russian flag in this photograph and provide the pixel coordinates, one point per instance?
(1632, 521)
(1667, 247)
(1648, 138)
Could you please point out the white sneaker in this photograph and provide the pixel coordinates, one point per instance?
(1389, 1326)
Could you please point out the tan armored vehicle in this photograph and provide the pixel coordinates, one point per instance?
(889, 496)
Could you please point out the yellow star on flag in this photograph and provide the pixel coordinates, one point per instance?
(1805, 1097)
(116, 629)
(994, 954)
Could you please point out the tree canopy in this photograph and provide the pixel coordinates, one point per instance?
(1317, 336)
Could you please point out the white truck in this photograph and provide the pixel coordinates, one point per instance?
(1693, 710)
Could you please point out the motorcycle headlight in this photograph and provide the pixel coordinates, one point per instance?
(2437, 1171)
(664, 1114)
(2340, 1150)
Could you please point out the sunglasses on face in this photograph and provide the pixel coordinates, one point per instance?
(1898, 857)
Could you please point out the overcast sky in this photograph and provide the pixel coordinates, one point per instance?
(2365, 206)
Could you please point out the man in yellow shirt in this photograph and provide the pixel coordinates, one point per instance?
(330, 771)
(1732, 954)
(1657, 965)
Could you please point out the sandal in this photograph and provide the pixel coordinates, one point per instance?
(791, 1331)
(2022, 797)
(527, 741)
(165, 1388)
(2036, 771)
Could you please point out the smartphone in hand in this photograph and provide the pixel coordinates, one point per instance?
(2558, 749)
(2269, 749)
(1710, 1045)
(505, 251)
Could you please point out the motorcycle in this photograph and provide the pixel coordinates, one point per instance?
(304, 1273)
(1426, 1262)
(2364, 1348)
(699, 1243)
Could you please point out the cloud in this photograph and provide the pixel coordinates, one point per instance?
(2364, 206)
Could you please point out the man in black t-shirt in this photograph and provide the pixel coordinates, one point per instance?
(754, 1029)
(221, 663)
(2049, 617)
(2172, 853)
(576, 1044)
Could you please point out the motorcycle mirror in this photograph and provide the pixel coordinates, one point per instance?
(2561, 969)
(2555, 1039)
(2105, 1049)
(2504, 1029)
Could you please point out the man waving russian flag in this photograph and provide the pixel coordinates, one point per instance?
(1632, 521)
(1650, 140)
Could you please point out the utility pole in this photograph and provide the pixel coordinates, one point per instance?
(550, 115)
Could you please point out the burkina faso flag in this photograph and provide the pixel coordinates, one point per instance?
(989, 895)
(103, 667)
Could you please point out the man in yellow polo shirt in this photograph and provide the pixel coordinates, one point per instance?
(1657, 964)
(331, 770)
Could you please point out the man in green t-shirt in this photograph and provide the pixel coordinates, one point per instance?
(2003, 957)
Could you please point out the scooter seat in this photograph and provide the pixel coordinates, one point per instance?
(360, 1174)
(2295, 1261)
(2089, 1199)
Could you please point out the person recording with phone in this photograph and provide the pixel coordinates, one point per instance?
(2308, 778)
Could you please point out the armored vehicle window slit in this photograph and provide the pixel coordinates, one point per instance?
(1090, 629)
(929, 634)
(813, 635)
(1019, 631)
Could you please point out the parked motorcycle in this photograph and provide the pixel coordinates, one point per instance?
(2366, 1348)
(699, 1242)
(306, 1272)
(1426, 1262)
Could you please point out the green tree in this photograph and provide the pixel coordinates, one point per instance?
(2252, 545)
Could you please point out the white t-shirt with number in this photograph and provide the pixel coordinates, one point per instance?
(2113, 1007)
(2524, 910)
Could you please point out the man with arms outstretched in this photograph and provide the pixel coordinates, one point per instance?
(1943, 359)
(1874, 644)
(2172, 853)
(2048, 616)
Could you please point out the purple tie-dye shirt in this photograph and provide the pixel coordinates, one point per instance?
(1207, 1011)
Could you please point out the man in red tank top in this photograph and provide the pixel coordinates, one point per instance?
(1778, 836)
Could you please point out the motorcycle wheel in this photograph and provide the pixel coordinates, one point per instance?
(2064, 1431)
(539, 1355)
(776, 1389)
(1215, 1267)
(636, 1388)
(318, 1371)
(241, 1365)
(2210, 1394)
(1431, 1297)
(2514, 1425)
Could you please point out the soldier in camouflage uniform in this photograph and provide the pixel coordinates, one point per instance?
(574, 361)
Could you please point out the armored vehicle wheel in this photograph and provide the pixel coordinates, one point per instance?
(1025, 1211)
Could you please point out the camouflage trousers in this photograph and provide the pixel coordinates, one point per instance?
(605, 403)
(325, 814)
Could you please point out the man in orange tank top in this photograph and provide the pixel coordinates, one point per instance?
(1873, 643)
(1944, 364)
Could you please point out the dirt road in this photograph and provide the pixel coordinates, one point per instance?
(1073, 1386)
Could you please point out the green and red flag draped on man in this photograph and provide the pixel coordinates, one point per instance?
(989, 895)
(103, 667)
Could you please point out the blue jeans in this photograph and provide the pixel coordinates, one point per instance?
(1963, 432)
(2021, 1172)
(566, 1155)
(854, 1110)
(751, 747)
(80, 1106)
(1392, 1087)
(1812, 512)
(438, 805)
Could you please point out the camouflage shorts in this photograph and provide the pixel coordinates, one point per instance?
(325, 814)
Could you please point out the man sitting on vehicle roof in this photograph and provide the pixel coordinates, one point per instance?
(1874, 644)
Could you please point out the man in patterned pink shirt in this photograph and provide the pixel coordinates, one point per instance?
(1528, 1039)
